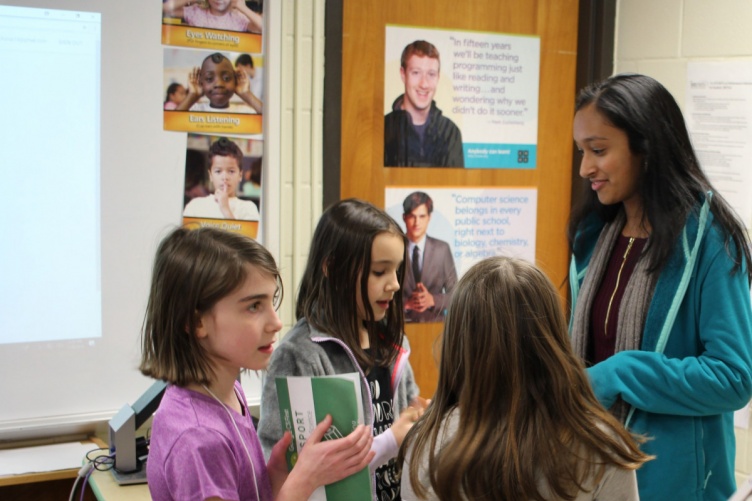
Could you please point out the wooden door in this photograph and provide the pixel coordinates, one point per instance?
(362, 121)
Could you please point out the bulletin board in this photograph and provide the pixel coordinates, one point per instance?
(364, 103)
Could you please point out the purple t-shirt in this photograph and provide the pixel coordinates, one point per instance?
(195, 452)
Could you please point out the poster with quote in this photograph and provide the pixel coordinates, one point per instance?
(486, 87)
(475, 222)
(718, 112)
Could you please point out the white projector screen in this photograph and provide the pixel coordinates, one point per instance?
(92, 183)
(55, 212)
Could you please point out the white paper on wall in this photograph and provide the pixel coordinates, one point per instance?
(719, 118)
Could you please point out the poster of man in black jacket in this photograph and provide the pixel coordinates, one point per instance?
(416, 134)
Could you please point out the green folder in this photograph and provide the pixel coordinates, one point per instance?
(303, 403)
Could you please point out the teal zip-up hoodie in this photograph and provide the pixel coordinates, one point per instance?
(694, 366)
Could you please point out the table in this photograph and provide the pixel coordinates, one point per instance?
(105, 488)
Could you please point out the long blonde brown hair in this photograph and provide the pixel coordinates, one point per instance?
(527, 415)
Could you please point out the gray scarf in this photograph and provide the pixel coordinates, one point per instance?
(634, 304)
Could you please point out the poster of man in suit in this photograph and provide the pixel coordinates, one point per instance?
(431, 274)
(449, 229)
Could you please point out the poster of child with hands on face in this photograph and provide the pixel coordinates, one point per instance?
(218, 98)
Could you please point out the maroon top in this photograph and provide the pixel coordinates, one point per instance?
(602, 343)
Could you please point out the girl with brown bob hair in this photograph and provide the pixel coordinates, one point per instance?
(513, 416)
(212, 313)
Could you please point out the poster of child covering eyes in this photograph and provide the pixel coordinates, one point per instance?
(205, 92)
(234, 25)
(223, 183)
(460, 98)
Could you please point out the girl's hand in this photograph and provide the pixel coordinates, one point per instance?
(420, 403)
(322, 463)
(277, 465)
(407, 419)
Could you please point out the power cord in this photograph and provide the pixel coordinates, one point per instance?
(95, 460)
(99, 463)
(82, 473)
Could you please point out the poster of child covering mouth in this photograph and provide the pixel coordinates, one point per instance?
(206, 93)
(223, 183)
(233, 25)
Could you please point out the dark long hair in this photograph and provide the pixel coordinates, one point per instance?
(672, 183)
(527, 412)
(338, 263)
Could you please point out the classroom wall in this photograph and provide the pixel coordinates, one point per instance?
(682, 31)
(301, 140)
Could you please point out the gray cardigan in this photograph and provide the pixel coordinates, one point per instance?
(305, 351)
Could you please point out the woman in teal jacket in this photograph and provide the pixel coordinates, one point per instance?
(660, 278)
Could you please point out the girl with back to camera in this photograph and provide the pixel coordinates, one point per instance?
(350, 320)
(513, 416)
(212, 314)
(660, 288)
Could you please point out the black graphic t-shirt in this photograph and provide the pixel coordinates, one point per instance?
(387, 476)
